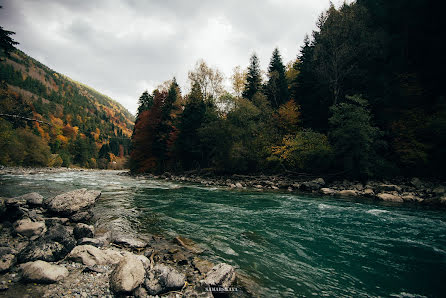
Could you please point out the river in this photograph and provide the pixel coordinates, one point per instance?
(288, 244)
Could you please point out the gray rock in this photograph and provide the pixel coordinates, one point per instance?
(439, 190)
(417, 183)
(389, 197)
(90, 255)
(348, 193)
(54, 245)
(140, 292)
(28, 228)
(238, 185)
(411, 198)
(127, 276)
(56, 220)
(315, 184)
(327, 191)
(91, 241)
(388, 187)
(368, 192)
(162, 279)
(43, 272)
(222, 275)
(7, 259)
(128, 241)
(83, 216)
(73, 201)
(82, 230)
(33, 199)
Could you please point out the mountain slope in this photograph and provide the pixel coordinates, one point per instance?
(80, 125)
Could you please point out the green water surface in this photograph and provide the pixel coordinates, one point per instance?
(288, 244)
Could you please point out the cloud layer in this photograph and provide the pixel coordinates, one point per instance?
(123, 47)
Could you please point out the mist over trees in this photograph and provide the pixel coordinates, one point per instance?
(363, 98)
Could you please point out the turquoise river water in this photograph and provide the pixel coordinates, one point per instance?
(289, 245)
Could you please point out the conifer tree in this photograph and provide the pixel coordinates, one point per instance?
(253, 78)
(277, 86)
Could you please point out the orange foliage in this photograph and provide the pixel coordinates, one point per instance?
(63, 139)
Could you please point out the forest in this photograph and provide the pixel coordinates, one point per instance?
(48, 119)
(363, 98)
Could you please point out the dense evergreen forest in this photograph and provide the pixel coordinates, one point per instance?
(47, 119)
(364, 98)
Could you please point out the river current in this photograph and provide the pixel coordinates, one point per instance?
(287, 244)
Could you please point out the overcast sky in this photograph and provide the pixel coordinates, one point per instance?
(123, 47)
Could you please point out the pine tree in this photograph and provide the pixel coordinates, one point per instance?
(253, 78)
(145, 102)
(6, 42)
(277, 86)
(188, 145)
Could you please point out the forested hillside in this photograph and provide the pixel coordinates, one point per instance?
(364, 98)
(47, 119)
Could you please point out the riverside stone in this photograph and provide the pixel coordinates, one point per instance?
(28, 228)
(90, 255)
(389, 197)
(222, 275)
(162, 279)
(128, 275)
(327, 191)
(389, 187)
(82, 230)
(55, 244)
(40, 271)
(73, 201)
(128, 241)
(32, 198)
(348, 193)
(7, 259)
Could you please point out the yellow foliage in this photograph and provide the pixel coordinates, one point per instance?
(288, 117)
(63, 139)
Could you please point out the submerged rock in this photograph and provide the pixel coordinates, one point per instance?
(188, 244)
(222, 275)
(73, 201)
(128, 275)
(40, 271)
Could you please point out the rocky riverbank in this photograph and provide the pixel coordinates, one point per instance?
(50, 247)
(400, 190)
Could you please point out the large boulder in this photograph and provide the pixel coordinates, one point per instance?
(7, 259)
(82, 230)
(162, 279)
(128, 275)
(90, 255)
(221, 275)
(389, 197)
(73, 201)
(29, 228)
(43, 272)
(57, 242)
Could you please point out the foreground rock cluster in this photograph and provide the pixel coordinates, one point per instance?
(49, 247)
(401, 190)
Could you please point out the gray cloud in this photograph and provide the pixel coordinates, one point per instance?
(122, 47)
